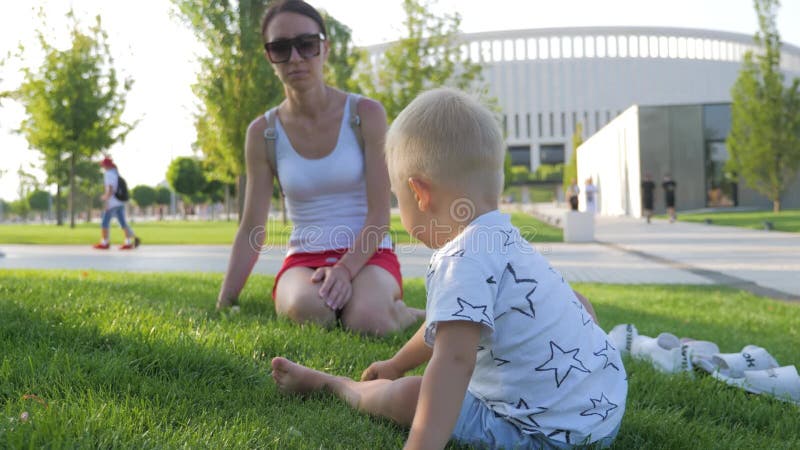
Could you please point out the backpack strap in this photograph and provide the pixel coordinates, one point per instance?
(270, 138)
(355, 119)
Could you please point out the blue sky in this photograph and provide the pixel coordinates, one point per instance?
(159, 53)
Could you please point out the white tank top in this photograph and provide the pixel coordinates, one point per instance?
(326, 198)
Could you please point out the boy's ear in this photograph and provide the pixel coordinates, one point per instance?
(422, 192)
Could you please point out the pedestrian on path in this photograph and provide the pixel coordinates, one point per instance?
(114, 200)
(573, 191)
(669, 196)
(591, 196)
(648, 189)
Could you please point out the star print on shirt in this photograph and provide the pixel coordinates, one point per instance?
(603, 352)
(509, 237)
(530, 424)
(600, 407)
(529, 311)
(498, 361)
(472, 312)
(560, 362)
(490, 280)
(557, 432)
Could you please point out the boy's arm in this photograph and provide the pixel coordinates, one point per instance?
(444, 384)
(585, 302)
(412, 355)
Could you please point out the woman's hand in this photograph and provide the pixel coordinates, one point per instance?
(383, 370)
(336, 288)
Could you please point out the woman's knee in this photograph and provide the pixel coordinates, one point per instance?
(305, 308)
(363, 317)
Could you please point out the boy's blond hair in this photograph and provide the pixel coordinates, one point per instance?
(449, 137)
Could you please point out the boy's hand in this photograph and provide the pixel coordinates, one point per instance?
(384, 370)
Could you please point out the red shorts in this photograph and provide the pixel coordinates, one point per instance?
(384, 258)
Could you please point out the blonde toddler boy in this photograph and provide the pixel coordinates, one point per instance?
(515, 359)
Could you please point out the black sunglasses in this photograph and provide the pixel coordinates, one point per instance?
(307, 45)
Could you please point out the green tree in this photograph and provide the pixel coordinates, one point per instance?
(427, 56)
(571, 167)
(163, 198)
(89, 187)
(144, 196)
(74, 103)
(185, 175)
(507, 173)
(764, 141)
(20, 208)
(235, 83)
(343, 57)
(39, 201)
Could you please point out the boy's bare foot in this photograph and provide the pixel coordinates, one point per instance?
(296, 379)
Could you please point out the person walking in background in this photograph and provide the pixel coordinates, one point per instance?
(572, 194)
(114, 200)
(340, 266)
(669, 196)
(648, 189)
(591, 196)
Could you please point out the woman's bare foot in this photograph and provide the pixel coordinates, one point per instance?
(296, 379)
(405, 315)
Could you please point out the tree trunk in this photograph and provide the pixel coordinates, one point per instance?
(71, 204)
(227, 202)
(59, 218)
(241, 182)
(776, 206)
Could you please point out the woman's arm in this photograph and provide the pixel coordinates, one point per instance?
(252, 231)
(376, 225)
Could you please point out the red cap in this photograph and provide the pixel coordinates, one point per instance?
(107, 163)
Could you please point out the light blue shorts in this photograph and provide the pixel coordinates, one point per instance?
(479, 427)
(119, 212)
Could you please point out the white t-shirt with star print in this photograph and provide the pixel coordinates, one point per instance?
(542, 363)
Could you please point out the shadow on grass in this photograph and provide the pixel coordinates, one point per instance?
(162, 386)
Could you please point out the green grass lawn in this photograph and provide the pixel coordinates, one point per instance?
(122, 360)
(190, 232)
(787, 220)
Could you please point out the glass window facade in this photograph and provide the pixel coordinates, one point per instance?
(520, 155)
(551, 154)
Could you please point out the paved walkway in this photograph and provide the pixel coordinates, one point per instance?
(627, 251)
(763, 262)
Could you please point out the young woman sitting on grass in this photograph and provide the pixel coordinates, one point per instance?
(340, 263)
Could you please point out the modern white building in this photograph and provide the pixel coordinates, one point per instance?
(548, 80)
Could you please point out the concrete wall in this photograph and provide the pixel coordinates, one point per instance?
(658, 140)
(611, 158)
(672, 143)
